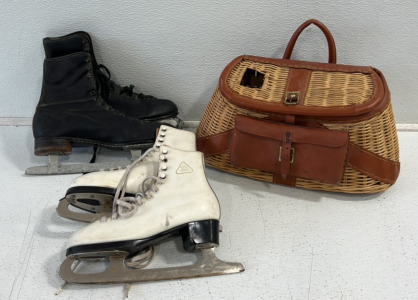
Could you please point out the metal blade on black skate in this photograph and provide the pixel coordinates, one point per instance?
(54, 167)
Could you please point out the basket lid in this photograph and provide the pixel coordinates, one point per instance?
(300, 88)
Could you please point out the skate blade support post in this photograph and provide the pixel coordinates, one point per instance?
(54, 167)
(209, 265)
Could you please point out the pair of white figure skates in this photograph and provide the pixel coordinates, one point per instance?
(162, 194)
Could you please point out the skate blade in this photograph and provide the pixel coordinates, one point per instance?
(63, 211)
(54, 167)
(209, 265)
(176, 122)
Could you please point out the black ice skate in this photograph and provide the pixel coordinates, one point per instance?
(123, 99)
(77, 108)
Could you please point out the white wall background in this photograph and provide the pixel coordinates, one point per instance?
(177, 49)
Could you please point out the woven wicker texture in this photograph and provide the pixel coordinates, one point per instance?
(220, 115)
(273, 86)
(377, 135)
(338, 89)
(325, 88)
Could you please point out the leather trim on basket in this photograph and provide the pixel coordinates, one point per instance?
(278, 148)
(373, 165)
(379, 87)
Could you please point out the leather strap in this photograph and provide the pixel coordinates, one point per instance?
(289, 180)
(214, 144)
(373, 165)
(366, 162)
(297, 83)
(286, 154)
(332, 50)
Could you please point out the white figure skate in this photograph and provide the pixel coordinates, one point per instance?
(179, 202)
(94, 192)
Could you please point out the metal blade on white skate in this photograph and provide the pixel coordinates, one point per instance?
(54, 167)
(209, 265)
(88, 217)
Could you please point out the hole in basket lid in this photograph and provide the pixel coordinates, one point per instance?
(252, 79)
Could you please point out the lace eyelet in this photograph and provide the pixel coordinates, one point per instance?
(161, 140)
(164, 128)
(162, 176)
(162, 134)
(164, 168)
(165, 151)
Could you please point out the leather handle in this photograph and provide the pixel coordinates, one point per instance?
(332, 50)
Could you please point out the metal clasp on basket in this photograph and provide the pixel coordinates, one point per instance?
(292, 98)
(292, 154)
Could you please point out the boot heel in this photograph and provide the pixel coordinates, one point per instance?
(49, 146)
(201, 234)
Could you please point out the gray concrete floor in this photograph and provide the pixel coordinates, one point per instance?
(294, 243)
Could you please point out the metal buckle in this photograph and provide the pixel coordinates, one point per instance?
(292, 98)
(292, 154)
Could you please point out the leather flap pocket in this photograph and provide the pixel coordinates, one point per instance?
(305, 152)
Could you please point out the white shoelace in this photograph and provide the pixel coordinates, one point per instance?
(140, 260)
(125, 207)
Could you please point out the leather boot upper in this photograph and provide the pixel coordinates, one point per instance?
(124, 99)
(72, 106)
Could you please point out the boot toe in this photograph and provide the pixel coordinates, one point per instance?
(161, 108)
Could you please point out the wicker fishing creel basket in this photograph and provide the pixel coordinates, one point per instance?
(336, 97)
